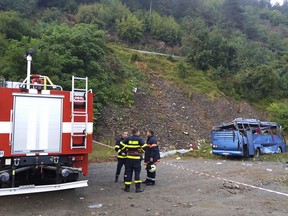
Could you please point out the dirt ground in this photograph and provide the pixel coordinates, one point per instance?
(184, 187)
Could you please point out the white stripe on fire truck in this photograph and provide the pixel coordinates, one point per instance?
(6, 127)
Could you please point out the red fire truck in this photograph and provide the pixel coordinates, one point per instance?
(45, 134)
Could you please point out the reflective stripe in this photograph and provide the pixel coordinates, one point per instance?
(119, 150)
(132, 146)
(143, 146)
(117, 146)
(152, 145)
(138, 181)
(128, 183)
(153, 179)
(133, 142)
(120, 156)
(134, 157)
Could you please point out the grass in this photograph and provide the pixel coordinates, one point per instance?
(273, 157)
(204, 152)
(101, 153)
(195, 80)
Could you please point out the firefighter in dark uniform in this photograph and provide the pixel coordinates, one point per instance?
(152, 157)
(134, 146)
(121, 156)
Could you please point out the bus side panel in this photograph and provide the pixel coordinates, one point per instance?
(268, 143)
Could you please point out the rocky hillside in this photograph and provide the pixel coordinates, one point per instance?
(180, 120)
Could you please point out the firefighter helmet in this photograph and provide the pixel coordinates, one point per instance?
(152, 168)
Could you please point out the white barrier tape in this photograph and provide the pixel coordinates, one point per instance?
(228, 180)
(98, 143)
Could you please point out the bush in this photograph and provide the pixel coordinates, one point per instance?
(129, 28)
(135, 57)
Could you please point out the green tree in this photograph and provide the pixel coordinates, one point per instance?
(164, 28)
(233, 14)
(129, 28)
(13, 26)
(279, 113)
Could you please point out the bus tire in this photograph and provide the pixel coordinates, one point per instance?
(257, 152)
(279, 151)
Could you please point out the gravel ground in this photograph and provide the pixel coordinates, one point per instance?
(184, 187)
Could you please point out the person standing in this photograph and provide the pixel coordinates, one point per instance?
(121, 156)
(134, 146)
(152, 157)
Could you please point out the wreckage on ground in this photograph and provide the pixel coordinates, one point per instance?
(247, 137)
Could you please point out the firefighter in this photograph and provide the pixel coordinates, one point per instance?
(134, 146)
(121, 157)
(152, 157)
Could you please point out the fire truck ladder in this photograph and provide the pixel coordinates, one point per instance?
(79, 95)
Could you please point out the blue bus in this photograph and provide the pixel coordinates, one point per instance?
(247, 137)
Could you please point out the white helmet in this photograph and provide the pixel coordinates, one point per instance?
(152, 168)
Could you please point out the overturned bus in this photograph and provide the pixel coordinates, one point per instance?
(247, 137)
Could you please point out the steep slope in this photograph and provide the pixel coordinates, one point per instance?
(180, 120)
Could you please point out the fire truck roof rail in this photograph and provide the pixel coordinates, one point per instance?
(28, 189)
(44, 80)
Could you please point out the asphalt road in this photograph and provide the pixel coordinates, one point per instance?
(184, 187)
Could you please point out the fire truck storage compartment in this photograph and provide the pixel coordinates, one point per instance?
(37, 123)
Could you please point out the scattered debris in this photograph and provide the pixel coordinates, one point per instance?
(219, 163)
(81, 198)
(178, 158)
(246, 164)
(173, 152)
(231, 185)
(95, 206)
(269, 170)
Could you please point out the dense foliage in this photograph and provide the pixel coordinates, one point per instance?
(241, 44)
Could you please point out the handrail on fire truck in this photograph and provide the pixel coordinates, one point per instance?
(79, 95)
(43, 82)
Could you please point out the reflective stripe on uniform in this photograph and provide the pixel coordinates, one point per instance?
(117, 146)
(133, 157)
(128, 183)
(132, 146)
(121, 156)
(133, 142)
(119, 150)
(138, 181)
(153, 179)
(143, 146)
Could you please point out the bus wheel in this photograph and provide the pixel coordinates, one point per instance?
(279, 150)
(257, 152)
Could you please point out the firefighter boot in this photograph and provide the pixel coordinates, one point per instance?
(147, 181)
(127, 188)
(150, 183)
(116, 178)
(138, 188)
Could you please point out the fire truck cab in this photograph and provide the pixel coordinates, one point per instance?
(45, 134)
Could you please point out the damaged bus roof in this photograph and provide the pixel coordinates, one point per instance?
(249, 121)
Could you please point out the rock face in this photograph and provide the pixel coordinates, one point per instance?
(178, 120)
